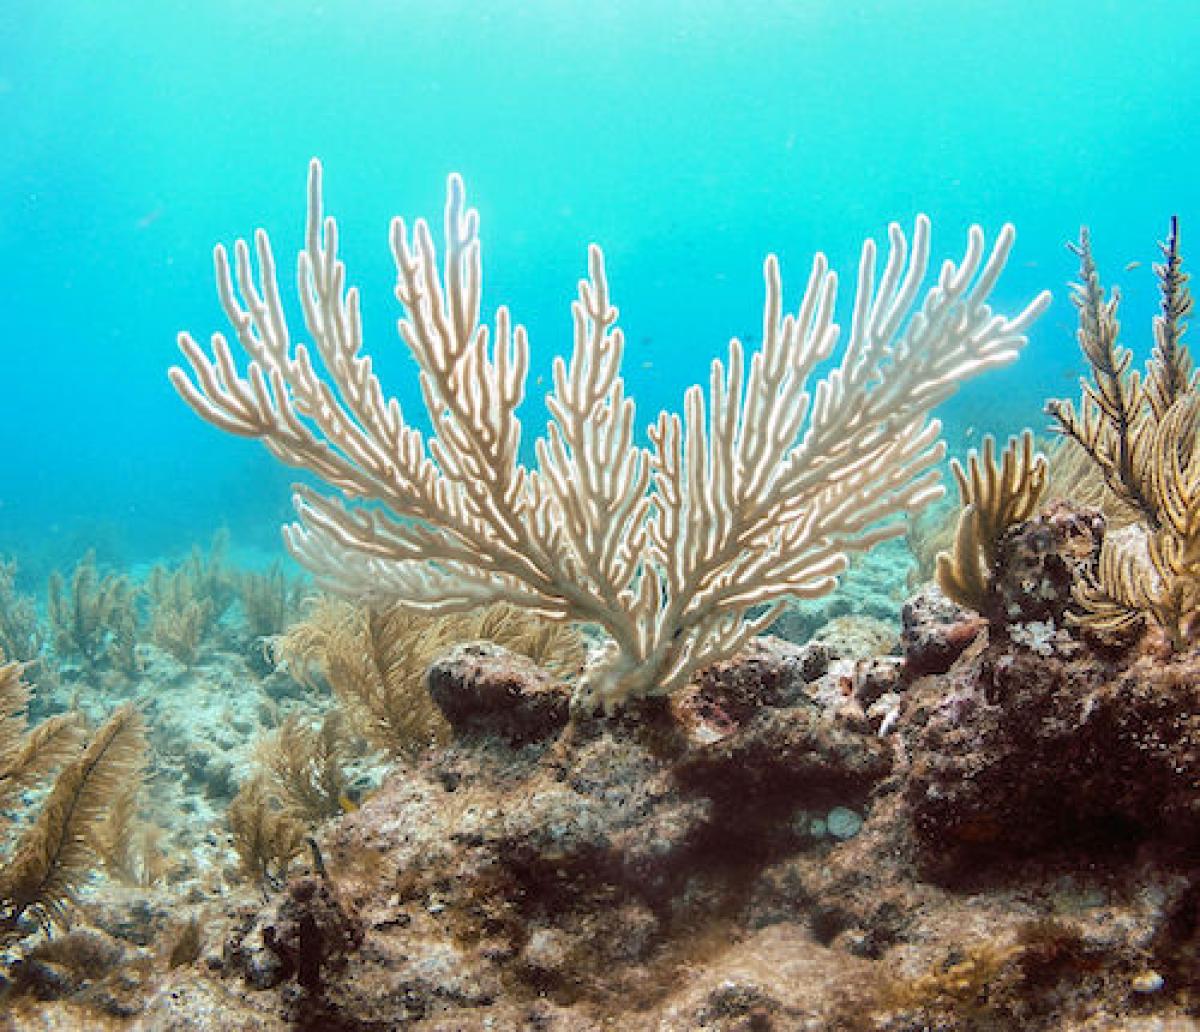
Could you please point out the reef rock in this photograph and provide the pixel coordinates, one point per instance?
(517, 873)
(935, 631)
(1033, 746)
(484, 689)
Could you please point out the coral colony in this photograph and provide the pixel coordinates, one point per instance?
(592, 742)
(754, 496)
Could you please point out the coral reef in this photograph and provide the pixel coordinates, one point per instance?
(379, 818)
(744, 857)
(573, 894)
(815, 835)
(753, 497)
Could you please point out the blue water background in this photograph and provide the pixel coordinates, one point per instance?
(689, 139)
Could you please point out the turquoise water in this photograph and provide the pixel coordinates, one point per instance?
(687, 139)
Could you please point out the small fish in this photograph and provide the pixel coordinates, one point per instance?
(1130, 266)
(647, 364)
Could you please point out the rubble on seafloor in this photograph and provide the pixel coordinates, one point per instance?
(997, 828)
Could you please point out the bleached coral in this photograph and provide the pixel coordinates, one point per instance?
(754, 495)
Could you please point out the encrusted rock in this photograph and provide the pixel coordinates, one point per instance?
(1023, 750)
(935, 631)
(99, 973)
(754, 869)
(875, 678)
(547, 950)
(787, 751)
(484, 690)
(767, 672)
(1038, 560)
(313, 933)
(857, 637)
(762, 723)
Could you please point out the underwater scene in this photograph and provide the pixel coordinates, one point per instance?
(599, 516)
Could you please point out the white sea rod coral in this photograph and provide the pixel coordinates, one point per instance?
(681, 549)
